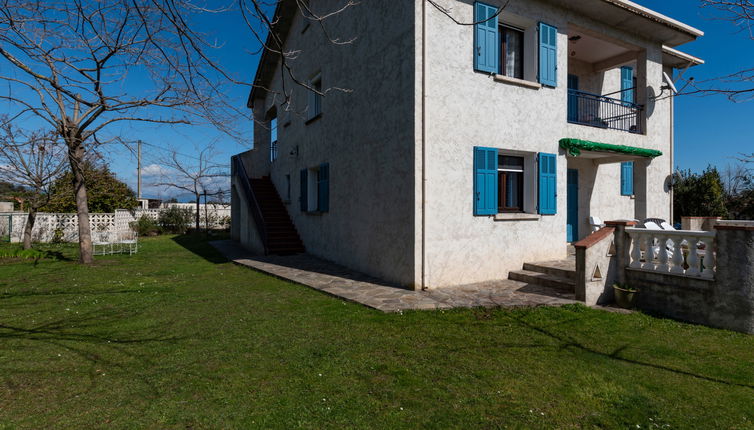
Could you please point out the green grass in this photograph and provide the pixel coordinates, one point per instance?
(175, 338)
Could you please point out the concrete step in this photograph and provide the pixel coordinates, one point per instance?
(543, 279)
(562, 269)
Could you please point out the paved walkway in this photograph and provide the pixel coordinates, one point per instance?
(338, 281)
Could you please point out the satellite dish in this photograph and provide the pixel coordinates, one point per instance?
(670, 83)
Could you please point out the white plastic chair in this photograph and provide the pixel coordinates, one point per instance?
(102, 241)
(129, 242)
(596, 223)
(669, 245)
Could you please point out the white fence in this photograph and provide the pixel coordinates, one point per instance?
(681, 252)
(63, 227)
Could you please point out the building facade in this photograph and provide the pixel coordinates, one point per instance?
(441, 147)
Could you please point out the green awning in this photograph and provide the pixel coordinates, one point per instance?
(575, 146)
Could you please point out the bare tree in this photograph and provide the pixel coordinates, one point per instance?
(197, 176)
(736, 178)
(33, 161)
(65, 61)
(737, 86)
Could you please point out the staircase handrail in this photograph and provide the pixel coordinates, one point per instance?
(251, 198)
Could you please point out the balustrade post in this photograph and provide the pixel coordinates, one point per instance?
(649, 254)
(663, 257)
(693, 259)
(635, 250)
(709, 258)
(677, 257)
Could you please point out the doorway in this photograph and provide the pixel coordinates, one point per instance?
(572, 218)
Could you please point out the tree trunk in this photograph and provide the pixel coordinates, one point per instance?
(30, 219)
(76, 161)
(198, 226)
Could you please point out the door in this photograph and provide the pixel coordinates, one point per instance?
(573, 98)
(572, 219)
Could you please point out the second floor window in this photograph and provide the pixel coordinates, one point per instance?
(315, 96)
(273, 138)
(511, 52)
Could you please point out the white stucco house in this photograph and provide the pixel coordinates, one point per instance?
(453, 146)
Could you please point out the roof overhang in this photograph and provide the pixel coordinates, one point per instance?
(679, 60)
(624, 15)
(282, 21)
(606, 152)
(630, 17)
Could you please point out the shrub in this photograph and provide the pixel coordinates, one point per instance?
(29, 254)
(145, 226)
(57, 236)
(175, 220)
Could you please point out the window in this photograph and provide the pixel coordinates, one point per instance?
(510, 187)
(511, 52)
(627, 178)
(315, 189)
(505, 182)
(315, 97)
(274, 138)
(548, 55)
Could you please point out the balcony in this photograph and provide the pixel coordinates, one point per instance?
(603, 112)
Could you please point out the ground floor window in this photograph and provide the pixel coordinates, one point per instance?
(315, 189)
(510, 183)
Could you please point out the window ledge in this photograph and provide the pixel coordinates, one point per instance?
(516, 81)
(314, 118)
(517, 217)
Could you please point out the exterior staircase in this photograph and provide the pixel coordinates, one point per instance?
(282, 236)
(559, 275)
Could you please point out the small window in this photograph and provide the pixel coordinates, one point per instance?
(273, 138)
(511, 52)
(510, 184)
(315, 97)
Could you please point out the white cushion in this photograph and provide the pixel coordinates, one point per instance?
(651, 226)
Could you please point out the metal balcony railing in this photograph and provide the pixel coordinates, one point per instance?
(603, 112)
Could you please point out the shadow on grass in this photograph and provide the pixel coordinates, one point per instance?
(94, 338)
(198, 244)
(568, 342)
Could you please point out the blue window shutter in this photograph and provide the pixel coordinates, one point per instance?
(548, 184)
(485, 181)
(627, 84)
(486, 39)
(548, 55)
(323, 188)
(627, 178)
(304, 191)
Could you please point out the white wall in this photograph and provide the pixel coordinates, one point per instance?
(467, 109)
(365, 133)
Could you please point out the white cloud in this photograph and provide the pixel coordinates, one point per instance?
(155, 170)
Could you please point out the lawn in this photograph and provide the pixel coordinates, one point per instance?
(174, 337)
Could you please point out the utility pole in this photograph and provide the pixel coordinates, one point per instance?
(138, 169)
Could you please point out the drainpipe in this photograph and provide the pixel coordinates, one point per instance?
(424, 146)
(672, 151)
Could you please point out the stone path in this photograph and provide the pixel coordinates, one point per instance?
(346, 284)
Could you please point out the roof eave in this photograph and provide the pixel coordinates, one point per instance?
(675, 58)
(658, 17)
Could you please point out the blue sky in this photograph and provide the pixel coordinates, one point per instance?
(709, 130)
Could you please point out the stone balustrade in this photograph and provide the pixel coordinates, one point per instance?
(680, 252)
